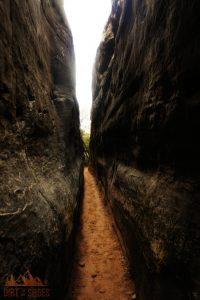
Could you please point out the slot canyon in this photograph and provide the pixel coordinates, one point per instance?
(127, 225)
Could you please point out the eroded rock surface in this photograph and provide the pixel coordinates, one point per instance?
(40, 146)
(144, 140)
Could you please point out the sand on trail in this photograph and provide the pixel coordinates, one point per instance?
(100, 270)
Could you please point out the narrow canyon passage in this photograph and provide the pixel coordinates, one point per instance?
(100, 270)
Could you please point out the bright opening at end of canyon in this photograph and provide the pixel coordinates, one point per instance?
(87, 20)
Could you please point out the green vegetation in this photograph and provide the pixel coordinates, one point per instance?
(86, 140)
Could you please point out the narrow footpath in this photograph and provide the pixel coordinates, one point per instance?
(100, 268)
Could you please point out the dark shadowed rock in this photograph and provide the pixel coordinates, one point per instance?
(144, 140)
(40, 146)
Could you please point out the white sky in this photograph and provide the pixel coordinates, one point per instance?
(87, 19)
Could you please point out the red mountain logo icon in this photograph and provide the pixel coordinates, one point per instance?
(24, 280)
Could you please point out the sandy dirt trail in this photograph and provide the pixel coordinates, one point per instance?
(100, 268)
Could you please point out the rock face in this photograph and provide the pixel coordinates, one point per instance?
(144, 140)
(40, 145)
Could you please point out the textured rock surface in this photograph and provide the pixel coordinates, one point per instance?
(40, 146)
(144, 140)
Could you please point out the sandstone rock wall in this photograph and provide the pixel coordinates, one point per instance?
(144, 140)
(40, 145)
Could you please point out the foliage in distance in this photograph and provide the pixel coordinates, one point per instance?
(86, 140)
